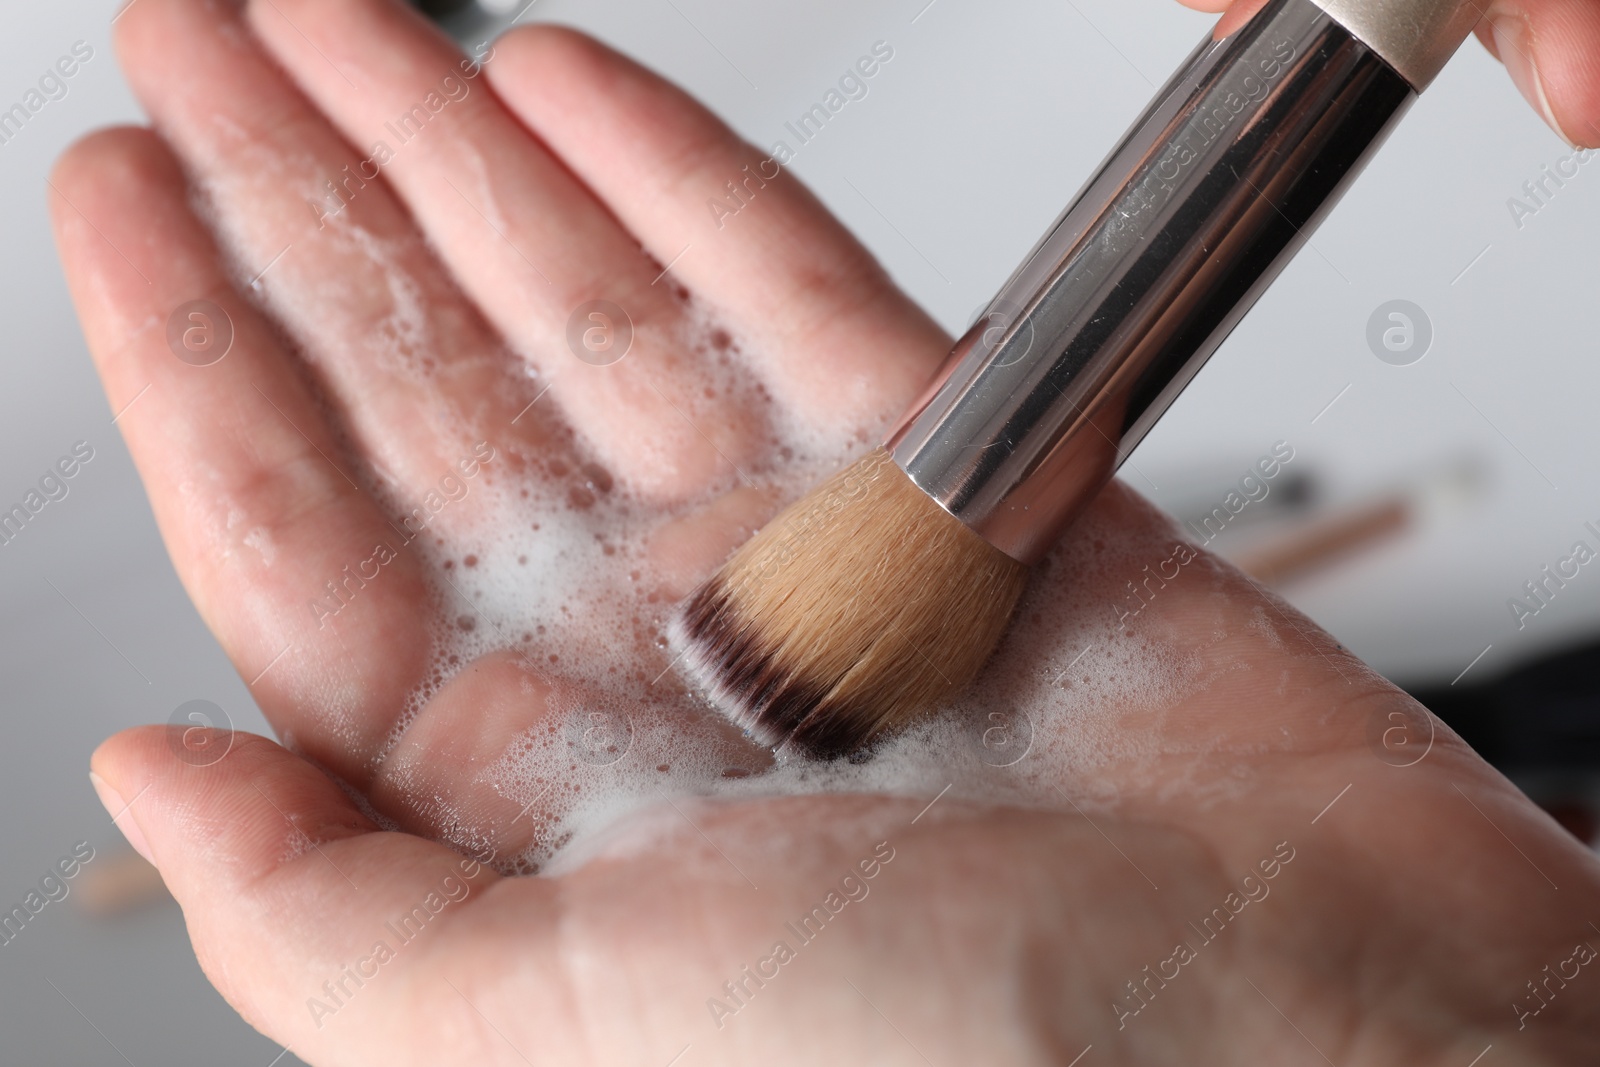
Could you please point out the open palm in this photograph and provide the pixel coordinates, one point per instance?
(440, 526)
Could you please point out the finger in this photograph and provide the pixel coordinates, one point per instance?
(1235, 13)
(1551, 49)
(433, 781)
(526, 239)
(824, 323)
(411, 371)
(508, 759)
(245, 477)
(287, 890)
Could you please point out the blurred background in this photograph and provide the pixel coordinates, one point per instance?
(1442, 459)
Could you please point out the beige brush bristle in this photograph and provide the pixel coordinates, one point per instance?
(861, 605)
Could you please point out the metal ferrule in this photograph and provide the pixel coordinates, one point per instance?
(1216, 187)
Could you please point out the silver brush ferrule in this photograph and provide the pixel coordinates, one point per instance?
(1218, 184)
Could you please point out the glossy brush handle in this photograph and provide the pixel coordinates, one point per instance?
(1211, 193)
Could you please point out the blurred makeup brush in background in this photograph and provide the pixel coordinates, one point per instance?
(883, 592)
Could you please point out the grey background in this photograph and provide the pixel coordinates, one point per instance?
(972, 139)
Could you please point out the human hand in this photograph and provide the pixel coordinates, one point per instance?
(1551, 49)
(1211, 735)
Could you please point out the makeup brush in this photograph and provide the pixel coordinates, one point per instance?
(883, 591)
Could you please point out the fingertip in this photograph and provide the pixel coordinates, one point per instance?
(144, 34)
(139, 32)
(549, 66)
(554, 67)
(122, 764)
(1551, 50)
(117, 807)
(549, 41)
(178, 792)
(246, 835)
(104, 189)
(1237, 13)
(122, 770)
(113, 158)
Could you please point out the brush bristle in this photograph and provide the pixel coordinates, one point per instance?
(858, 607)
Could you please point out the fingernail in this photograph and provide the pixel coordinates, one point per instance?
(1513, 39)
(117, 808)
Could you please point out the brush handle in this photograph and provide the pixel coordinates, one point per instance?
(1207, 198)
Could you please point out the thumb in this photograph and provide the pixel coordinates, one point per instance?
(286, 887)
(1238, 12)
(1551, 48)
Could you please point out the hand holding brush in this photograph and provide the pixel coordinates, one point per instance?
(854, 611)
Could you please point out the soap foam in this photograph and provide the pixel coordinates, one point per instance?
(566, 581)
(551, 561)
